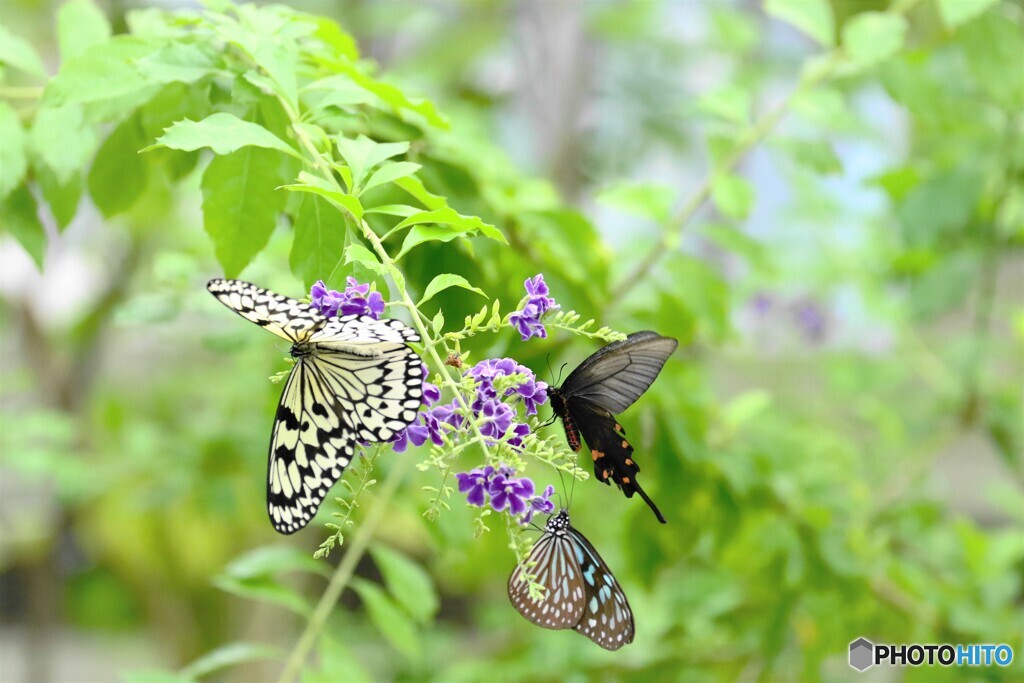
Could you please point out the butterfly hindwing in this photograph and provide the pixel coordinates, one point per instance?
(607, 618)
(580, 591)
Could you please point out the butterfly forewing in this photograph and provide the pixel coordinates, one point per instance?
(607, 618)
(354, 379)
(616, 375)
(285, 317)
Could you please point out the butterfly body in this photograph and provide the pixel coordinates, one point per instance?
(611, 380)
(354, 379)
(580, 591)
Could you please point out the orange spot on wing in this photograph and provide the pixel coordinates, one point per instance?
(625, 444)
(628, 461)
(596, 455)
(625, 480)
(604, 474)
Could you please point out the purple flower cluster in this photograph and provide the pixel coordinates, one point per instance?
(357, 299)
(528, 318)
(427, 424)
(505, 492)
(532, 392)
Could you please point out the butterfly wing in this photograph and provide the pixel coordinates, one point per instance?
(611, 451)
(556, 567)
(607, 618)
(616, 375)
(287, 318)
(310, 447)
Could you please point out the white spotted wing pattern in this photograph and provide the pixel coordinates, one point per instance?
(354, 379)
(580, 591)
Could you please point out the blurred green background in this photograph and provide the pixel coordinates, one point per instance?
(837, 444)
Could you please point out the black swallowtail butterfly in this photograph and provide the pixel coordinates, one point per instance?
(580, 591)
(608, 382)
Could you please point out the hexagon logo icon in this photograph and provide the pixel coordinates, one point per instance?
(862, 654)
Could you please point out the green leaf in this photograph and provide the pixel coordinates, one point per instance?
(737, 242)
(443, 282)
(265, 590)
(319, 241)
(957, 12)
(445, 224)
(241, 204)
(871, 37)
(228, 655)
(13, 160)
(414, 186)
(62, 140)
(732, 195)
(80, 24)
(118, 175)
(365, 264)
(389, 173)
(62, 198)
(649, 200)
(271, 560)
(337, 663)
(223, 133)
(731, 103)
(17, 52)
(403, 210)
(816, 155)
(813, 17)
(438, 322)
(362, 154)
(20, 218)
(104, 71)
(178, 63)
(393, 96)
(408, 582)
(392, 622)
(329, 191)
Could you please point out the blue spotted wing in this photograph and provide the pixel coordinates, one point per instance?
(608, 382)
(580, 591)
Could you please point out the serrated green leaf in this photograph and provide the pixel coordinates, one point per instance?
(17, 52)
(443, 282)
(649, 200)
(104, 71)
(80, 24)
(230, 655)
(329, 191)
(362, 154)
(813, 17)
(319, 241)
(13, 158)
(408, 582)
(62, 140)
(732, 195)
(118, 175)
(20, 219)
(871, 37)
(389, 173)
(957, 12)
(397, 628)
(223, 133)
(241, 203)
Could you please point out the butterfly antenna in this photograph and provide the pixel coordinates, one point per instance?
(551, 373)
(560, 370)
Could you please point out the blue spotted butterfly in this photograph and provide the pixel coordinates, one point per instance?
(580, 591)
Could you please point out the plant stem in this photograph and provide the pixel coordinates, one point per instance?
(343, 573)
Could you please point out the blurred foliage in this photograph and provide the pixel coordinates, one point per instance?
(844, 281)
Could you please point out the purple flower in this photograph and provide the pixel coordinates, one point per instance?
(475, 484)
(533, 395)
(811, 319)
(541, 504)
(415, 433)
(528, 318)
(357, 299)
(511, 493)
(532, 392)
(520, 429)
(495, 418)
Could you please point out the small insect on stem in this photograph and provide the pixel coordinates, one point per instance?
(453, 360)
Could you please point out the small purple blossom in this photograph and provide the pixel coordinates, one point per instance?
(528, 318)
(532, 392)
(475, 484)
(511, 493)
(357, 299)
(495, 418)
(810, 318)
(519, 429)
(541, 504)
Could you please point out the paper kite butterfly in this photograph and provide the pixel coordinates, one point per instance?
(608, 382)
(580, 591)
(354, 379)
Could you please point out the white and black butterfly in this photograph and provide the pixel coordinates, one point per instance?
(354, 379)
(608, 382)
(580, 591)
